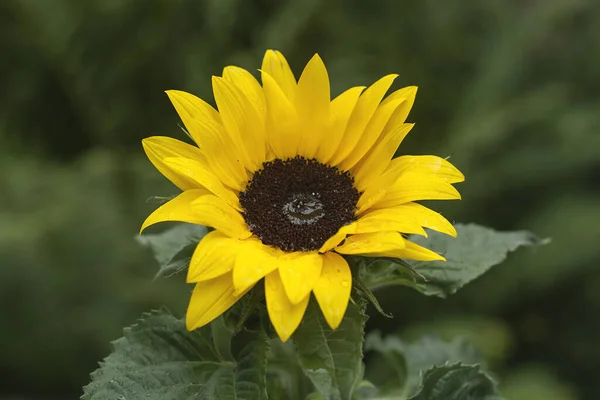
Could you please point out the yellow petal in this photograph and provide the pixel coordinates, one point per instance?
(275, 64)
(158, 148)
(341, 108)
(377, 186)
(388, 219)
(438, 166)
(228, 167)
(284, 315)
(312, 102)
(253, 262)
(177, 209)
(204, 125)
(215, 212)
(416, 186)
(401, 113)
(372, 243)
(333, 288)
(210, 299)
(214, 256)
(282, 120)
(203, 178)
(249, 86)
(241, 121)
(411, 251)
(370, 168)
(409, 186)
(338, 237)
(424, 216)
(198, 116)
(361, 115)
(372, 132)
(378, 154)
(299, 272)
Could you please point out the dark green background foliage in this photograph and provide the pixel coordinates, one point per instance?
(509, 89)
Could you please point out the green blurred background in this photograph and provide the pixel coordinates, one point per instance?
(509, 89)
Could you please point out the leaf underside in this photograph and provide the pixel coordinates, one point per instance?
(173, 248)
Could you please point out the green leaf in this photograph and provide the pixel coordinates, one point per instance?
(400, 371)
(173, 248)
(475, 251)
(158, 358)
(332, 359)
(456, 382)
(285, 379)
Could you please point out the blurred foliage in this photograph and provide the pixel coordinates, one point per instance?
(509, 89)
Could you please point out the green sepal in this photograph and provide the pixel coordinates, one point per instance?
(367, 294)
(173, 248)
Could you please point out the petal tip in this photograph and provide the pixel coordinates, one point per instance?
(317, 58)
(334, 324)
(191, 325)
(283, 336)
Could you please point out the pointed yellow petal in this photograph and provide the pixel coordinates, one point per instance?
(299, 272)
(412, 251)
(214, 256)
(253, 262)
(312, 102)
(388, 219)
(282, 120)
(379, 143)
(371, 243)
(338, 237)
(210, 299)
(203, 178)
(164, 147)
(158, 148)
(361, 115)
(195, 113)
(416, 186)
(341, 108)
(249, 86)
(423, 216)
(370, 168)
(241, 121)
(408, 186)
(284, 315)
(372, 132)
(438, 166)
(408, 94)
(215, 212)
(275, 64)
(177, 209)
(333, 288)
(204, 125)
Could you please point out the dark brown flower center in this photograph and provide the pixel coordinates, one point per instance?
(298, 203)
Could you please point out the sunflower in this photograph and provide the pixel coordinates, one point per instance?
(291, 180)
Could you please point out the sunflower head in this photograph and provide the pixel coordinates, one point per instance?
(291, 181)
